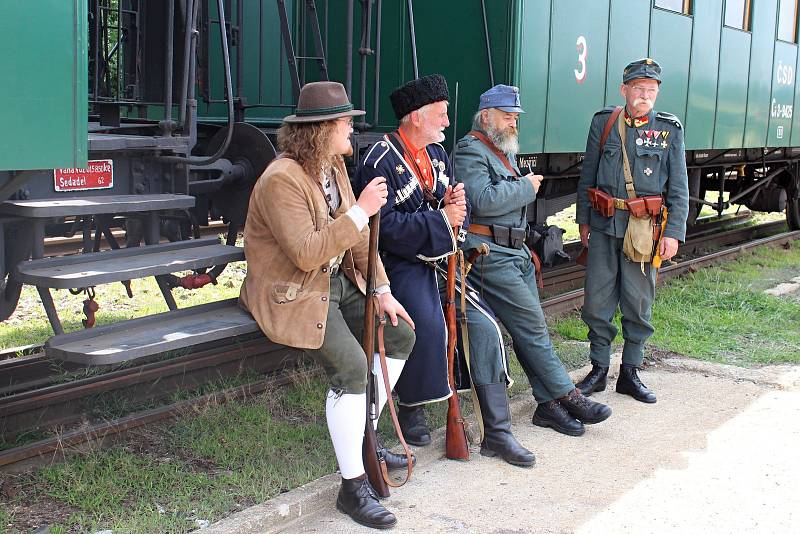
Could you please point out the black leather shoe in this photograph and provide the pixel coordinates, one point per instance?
(584, 410)
(629, 383)
(394, 461)
(413, 425)
(358, 500)
(594, 381)
(497, 437)
(552, 414)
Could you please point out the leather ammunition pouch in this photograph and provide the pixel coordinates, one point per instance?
(602, 202)
(508, 237)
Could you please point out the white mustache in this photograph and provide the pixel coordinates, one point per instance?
(638, 101)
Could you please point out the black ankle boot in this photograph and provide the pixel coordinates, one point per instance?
(413, 425)
(358, 500)
(584, 410)
(497, 437)
(629, 383)
(594, 381)
(552, 414)
(394, 461)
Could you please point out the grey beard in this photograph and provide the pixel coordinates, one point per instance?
(508, 143)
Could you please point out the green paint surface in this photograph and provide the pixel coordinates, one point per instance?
(44, 65)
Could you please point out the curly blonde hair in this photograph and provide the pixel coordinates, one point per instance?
(308, 144)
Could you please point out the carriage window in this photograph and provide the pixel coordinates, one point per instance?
(787, 21)
(680, 6)
(737, 14)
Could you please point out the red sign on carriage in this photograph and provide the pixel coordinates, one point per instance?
(99, 174)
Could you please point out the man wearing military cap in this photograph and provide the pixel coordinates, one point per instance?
(506, 278)
(618, 273)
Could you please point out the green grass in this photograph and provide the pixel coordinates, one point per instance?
(209, 462)
(722, 314)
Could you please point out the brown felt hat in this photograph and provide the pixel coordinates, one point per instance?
(322, 101)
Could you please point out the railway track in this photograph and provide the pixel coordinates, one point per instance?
(40, 393)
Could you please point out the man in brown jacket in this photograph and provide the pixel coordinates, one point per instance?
(306, 244)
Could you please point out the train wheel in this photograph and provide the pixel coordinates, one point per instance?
(17, 248)
(793, 201)
(793, 212)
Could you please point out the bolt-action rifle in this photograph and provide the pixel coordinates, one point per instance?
(372, 464)
(456, 446)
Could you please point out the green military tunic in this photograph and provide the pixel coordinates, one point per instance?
(506, 278)
(658, 165)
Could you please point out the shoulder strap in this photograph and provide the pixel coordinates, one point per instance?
(390, 403)
(609, 125)
(626, 164)
(496, 151)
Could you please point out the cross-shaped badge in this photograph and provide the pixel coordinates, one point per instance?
(664, 144)
(648, 171)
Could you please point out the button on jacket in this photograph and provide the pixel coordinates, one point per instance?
(658, 164)
(289, 239)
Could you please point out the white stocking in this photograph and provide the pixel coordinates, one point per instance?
(347, 415)
(393, 368)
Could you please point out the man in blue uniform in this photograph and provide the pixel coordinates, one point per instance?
(656, 168)
(418, 224)
(506, 278)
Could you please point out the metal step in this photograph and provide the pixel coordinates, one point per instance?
(64, 207)
(84, 270)
(152, 335)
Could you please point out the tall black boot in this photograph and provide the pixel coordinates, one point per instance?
(594, 381)
(497, 437)
(358, 500)
(412, 423)
(629, 383)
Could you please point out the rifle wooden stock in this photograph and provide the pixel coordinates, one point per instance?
(456, 447)
(657, 252)
(372, 465)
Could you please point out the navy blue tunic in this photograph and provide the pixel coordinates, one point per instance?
(414, 232)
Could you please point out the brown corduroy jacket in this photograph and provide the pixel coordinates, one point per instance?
(289, 238)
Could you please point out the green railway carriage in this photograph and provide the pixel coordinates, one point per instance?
(178, 100)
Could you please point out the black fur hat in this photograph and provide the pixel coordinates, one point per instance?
(418, 93)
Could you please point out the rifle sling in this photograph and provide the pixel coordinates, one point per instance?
(395, 422)
(480, 136)
(609, 125)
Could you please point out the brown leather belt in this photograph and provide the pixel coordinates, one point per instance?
(619, 203)
(480, 229)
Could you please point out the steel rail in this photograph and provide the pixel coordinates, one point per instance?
(574, 299)
(52, 448)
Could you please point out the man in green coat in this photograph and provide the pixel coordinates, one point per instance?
(657, 167)
(506, 277)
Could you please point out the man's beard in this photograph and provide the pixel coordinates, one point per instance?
(506, 140)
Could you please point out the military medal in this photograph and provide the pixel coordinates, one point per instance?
(400, 169)
(441, 166)
(664, 144)
(639, 141)
(648, 171)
